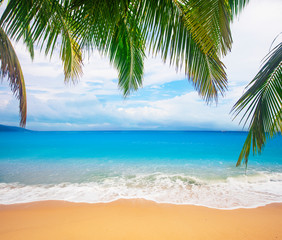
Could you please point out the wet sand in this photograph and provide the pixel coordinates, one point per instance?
(137, 219)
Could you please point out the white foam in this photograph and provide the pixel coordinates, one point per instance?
(234, 192)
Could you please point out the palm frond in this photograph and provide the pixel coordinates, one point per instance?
(114, 31)
(262, 104)
(10, 68)
(170, 28)
(28, 41)
(126, 51)
(237, 6)
(208, 22)
(46, 23)
(96, 21)
(165, 27)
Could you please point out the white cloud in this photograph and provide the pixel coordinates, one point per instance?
(185, 110)
(157, 72)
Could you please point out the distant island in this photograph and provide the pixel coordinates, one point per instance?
(4, 128)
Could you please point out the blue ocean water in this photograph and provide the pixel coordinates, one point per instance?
(180, 167)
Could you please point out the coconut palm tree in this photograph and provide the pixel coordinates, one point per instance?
(193, 34)
(262, 104)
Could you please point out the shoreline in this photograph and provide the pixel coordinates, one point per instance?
(137, 219)
(142, 199)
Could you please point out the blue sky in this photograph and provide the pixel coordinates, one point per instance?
(167, 100)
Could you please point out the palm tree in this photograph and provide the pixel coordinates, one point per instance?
(193, 34)
(262, 103)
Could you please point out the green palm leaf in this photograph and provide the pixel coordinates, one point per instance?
(237, 5)
(111, 27)
(10, 68)
(47, 23)
(262, 104)
(163, 28)
(127, 54)
(167, 32)
(208, 21)
(96, 21)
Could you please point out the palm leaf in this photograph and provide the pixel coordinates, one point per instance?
(126, 51)
(10, 68)
(111, 27)
(262, 104)
(237, 5)
(165, 26)
(208, 22)
(46, 23)
(193, 33)
(96, 21)
(162, 25)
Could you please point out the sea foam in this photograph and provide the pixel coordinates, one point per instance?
(233, 192)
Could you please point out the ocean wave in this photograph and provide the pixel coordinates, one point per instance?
(241, 191)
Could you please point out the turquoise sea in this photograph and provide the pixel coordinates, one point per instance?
(179, 167)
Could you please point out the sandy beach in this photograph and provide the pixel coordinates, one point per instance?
(136, 219)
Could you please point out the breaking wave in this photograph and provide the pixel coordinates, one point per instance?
(243, 191)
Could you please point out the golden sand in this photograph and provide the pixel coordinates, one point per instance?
(137, 219)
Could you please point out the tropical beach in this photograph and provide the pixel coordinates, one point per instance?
(73, 185)
(141, 119)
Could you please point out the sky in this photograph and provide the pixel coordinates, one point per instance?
(167, 100)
